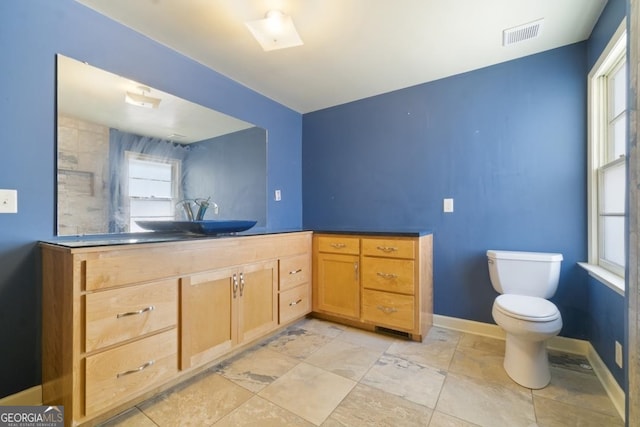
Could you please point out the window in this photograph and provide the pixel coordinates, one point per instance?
(607, 157)
(152, 188)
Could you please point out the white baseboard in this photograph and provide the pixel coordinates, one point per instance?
(29, 397)
(609, 383)
(566, 345)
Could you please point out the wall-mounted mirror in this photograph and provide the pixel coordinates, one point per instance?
(128, 152)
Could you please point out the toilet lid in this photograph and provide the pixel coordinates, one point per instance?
(527, 308)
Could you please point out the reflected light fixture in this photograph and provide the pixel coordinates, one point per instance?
(142, 100)
(275, 31)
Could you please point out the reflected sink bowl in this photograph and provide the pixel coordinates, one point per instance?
(209, 227)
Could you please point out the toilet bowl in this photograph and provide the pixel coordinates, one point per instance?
(528, 322)
(525, 280)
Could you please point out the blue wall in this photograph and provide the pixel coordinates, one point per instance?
(506, 142)
(606, 307)
(31, 33)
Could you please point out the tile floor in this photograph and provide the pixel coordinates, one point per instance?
(317, 373)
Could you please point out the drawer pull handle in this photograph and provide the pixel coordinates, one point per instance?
(296, 271)
(386, 249)
(387, 275)
(292, 303)
(134, 313)
(338, 245)
(387, 310)
(138, 369)
(241, 283)
(235, 285)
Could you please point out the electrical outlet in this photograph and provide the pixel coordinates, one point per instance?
(277, 196)
(618, 354)
(8, 201)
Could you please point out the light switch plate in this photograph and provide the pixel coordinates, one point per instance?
(618, 354)
(277, 195)
(8, 201)
(447, 205)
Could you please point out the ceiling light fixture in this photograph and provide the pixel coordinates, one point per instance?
(275, 31)
(142, 100)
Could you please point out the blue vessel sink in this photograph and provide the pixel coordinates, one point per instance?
(208, 227)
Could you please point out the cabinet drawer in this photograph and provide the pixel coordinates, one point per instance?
(119, 374)
(339, 244)
(395, 275)
(294, 271)
(294, 303)
(120, 314)
(385, 309)
(393, 248)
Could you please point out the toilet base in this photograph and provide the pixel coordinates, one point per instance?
(527, 362)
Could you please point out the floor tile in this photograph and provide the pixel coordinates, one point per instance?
(319, 373)
(321, 327)
(486, 403)
(132, 418)
(258, 412)
(308, 391)
(432, 351)
(551, 413)
(438, 419)
(256, 368)
(366, 406)
(573, 362)
(409, 380)
(372, 340)
(345, 359)
(298, 343)
(481, 358)
(202, 401)
(436, 333)
(579, 389)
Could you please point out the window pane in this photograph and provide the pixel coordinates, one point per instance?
(151, 208)
(149, 170)
(146, 188)
(613, 188)
(619, 90)
(618, 137)
(613, 239)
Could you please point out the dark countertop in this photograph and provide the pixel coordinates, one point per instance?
(406, 232)
(146, 237)
(157, 237)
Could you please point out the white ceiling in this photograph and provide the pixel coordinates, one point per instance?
(97, 96)
(352, 49)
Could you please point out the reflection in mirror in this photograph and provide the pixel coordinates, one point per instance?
(127, 152)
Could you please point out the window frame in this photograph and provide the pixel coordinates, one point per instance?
(176, 165)
(598, 156)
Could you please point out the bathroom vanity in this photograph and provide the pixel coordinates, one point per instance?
(375, 280)
(122, 322)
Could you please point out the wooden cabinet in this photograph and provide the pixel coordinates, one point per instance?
(224, 308)
(294, 292)
(336, 275)
(374, 282)
(124, 322)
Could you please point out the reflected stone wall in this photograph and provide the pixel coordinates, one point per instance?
(83, 158)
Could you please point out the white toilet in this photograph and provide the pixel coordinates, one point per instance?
(526, 280)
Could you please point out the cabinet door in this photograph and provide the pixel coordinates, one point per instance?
(337, 288)
(258, 300)
(208, 327)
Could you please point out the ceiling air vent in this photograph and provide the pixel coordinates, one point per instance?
(521, 33)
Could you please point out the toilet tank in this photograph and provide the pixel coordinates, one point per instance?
(534, 274)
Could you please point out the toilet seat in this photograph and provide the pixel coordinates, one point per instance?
(524, 307)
